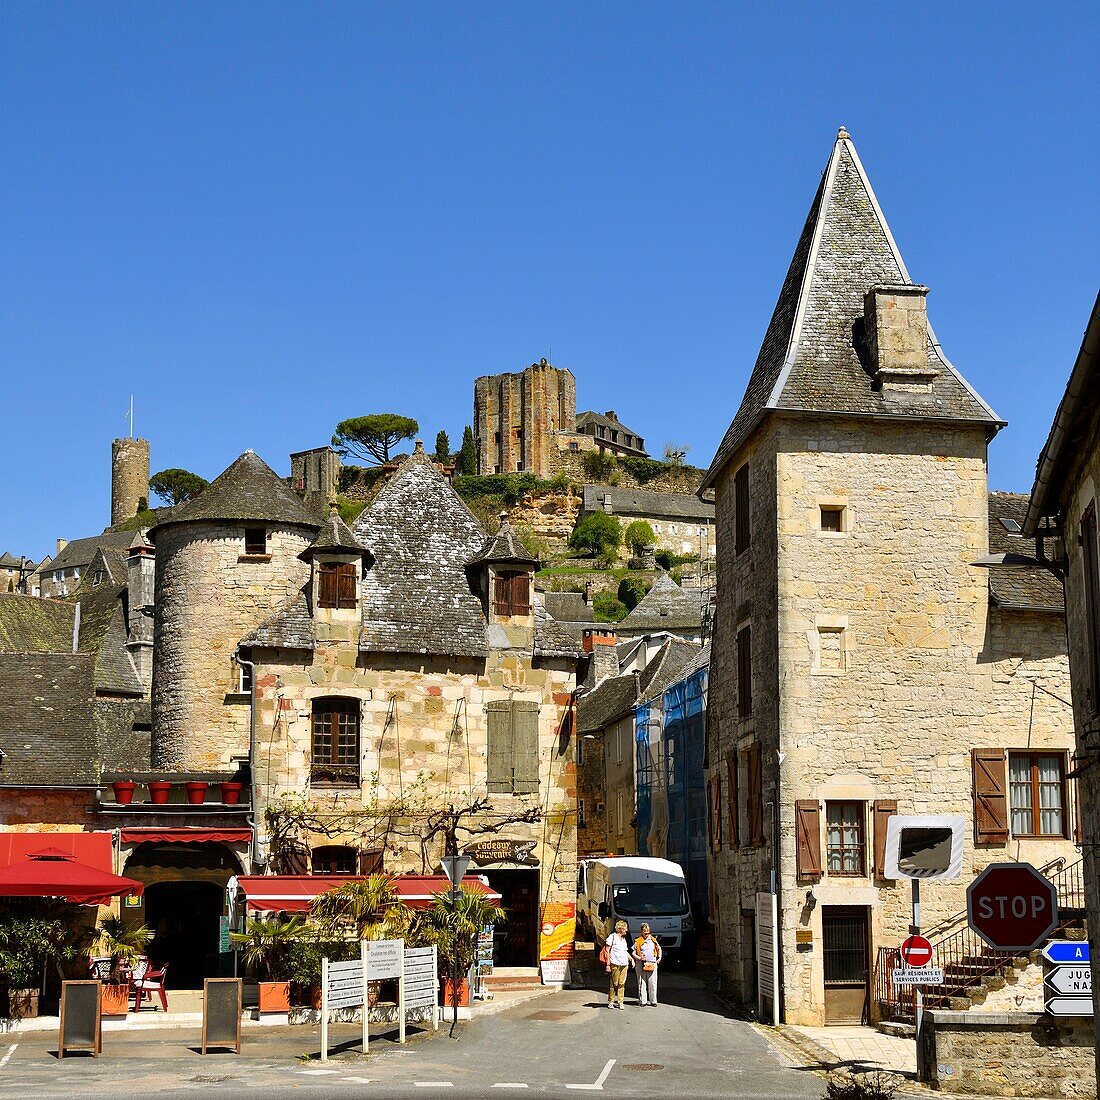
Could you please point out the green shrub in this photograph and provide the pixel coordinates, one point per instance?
(608, 608)
(632, 591)
(511, 488)
(599, 465)
(560, 483)
(350, 510)
(666, 559)
(644, 469)
(638, 535)
(598, 534)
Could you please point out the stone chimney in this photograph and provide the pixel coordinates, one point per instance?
(140, 570)
(896, 320)
(61, 544)
(129, 478)
(600, 642)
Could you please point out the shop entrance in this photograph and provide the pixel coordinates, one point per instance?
(515, 939)
(845, 958)
(184, 917)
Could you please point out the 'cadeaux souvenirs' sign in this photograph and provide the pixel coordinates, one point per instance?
(484, 852)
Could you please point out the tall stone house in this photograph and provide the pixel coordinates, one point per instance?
(681, 522)
(1062, 516)
(865, 661)
(523, 421)
(411, 671)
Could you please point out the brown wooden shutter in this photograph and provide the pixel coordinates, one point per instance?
(990, 796)
(501, 594)
(808, 839)
(734, 799)
(327, 597)
(1078, 816)
(755, 803)
(884, 809)
(525, 747)
(521, 594)
(715, 800)
(498, 720)
(345, 577)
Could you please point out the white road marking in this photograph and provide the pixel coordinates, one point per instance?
(598, 1086)
(434, 1084)
(317, 1072)
(11, 1051)
(510, 1085)
(358, 1080)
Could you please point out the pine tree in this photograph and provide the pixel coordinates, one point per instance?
(442, 449)
(467, 457)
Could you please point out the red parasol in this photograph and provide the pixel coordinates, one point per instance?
(51, 873)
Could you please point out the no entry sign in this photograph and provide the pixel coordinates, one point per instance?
(1012, 906)
(916, 951)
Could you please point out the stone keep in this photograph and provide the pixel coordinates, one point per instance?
(129, 478)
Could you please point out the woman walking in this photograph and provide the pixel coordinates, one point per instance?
(618, 963)
(647, 957)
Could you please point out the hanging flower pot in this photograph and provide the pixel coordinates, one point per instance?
(231, 793)
(124, 791)
(158, 793)
(196, 793)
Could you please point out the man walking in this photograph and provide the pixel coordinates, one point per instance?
(647, 956)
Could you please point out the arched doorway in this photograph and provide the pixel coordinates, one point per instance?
(183, 903)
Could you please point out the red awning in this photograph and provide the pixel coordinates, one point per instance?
(90, 849)
(152, 834)
(294, 893)
(51, 873)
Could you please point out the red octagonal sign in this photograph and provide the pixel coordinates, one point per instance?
(1012, 906)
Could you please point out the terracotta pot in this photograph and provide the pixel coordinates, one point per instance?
(116, 1000)
(196, 793)
(158, 793)
(315, 996)
(463, 993)
(274, 996)
(231, 793)
(22, 1004)
(124, 791)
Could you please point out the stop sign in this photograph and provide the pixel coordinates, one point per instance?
(1012, 906)
(916, 951)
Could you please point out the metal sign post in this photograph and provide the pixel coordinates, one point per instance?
(324, 1009)
(363, 962)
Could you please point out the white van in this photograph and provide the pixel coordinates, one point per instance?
(637, 889)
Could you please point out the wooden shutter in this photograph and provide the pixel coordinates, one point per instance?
(345, 578)
(990, 796)
(755, 803)
(808, 839)
(715, 800)
(521, 594)
(498, 720)
(502, 593)
(884, 809)
(327, 596)
(525, 747)
(732, 796)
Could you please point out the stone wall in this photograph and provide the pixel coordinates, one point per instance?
(1010, 1054)
(129, 478)
(592, 789)
(675, 479)
(45, 811)
(618, 743)
(210, 594)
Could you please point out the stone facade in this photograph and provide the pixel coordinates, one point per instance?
(210, 594)
(129, 478)
(316, 471)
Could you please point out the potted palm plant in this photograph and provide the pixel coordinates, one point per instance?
(453, 923)
(123, 945)
(265, 948)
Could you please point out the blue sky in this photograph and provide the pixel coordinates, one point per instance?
(262, 218)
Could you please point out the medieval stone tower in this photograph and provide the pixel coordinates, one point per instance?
(225, 561)
(129, 477)
(517, 418)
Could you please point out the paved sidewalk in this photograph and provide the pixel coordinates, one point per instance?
(857, 1048)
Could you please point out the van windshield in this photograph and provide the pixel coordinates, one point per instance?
(650, 899)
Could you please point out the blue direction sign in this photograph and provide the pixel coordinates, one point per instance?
(1061, 952)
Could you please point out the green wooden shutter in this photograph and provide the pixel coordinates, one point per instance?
(525, 747)
(498, 717)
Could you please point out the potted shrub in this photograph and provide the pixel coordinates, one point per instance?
(231, 793)
(453, 923)
(196, 792)
(124, 791)
(265, 946)
(123, 945)
(304, 964)
(158, 792)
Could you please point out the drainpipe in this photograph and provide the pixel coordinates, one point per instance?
(76, 629)
(253, 846)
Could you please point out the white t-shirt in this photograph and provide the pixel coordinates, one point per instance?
(618, 950)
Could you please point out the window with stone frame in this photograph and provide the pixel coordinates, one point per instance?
(845, 843)
(255, 540)
(336, 585)
(1037, 793)
(512, 593)
(334, 859)
(334, 760)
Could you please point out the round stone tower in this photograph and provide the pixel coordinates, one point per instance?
(225, 561)
(129, 477)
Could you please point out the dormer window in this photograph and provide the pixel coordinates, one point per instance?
(255, 540)
(336, 585)
(512, 593)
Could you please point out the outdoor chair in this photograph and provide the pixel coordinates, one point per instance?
(149, 982)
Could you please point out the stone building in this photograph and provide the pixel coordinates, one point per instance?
(666, 608)
(682, 522)
(524, 421)
(316, 471)
(863, 662)
(1062, 516)
(411, 672)
(129, 478)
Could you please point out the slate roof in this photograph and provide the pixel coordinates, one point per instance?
(667, 667)
(607, 702)
(247, 489)
(80, 552)
(7, 561)
(291, 627)
(568, 607)
(103, 634)
(646, 502)
(47, 722)
(32, 625)
(666, 606)
(553, 639)
(1020, 586)
(417, 597)
(334, 535)
(504, 546)
(809, 359)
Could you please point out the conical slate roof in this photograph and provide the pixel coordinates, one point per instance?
(666, 606)
(504, 546)
(334, 535)
(809, 359)
(248, 489)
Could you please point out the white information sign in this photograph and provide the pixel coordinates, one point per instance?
(1069, 1006)
(917, 975)
(421, 976)
(345, 984)
(384, 959)
(1074, 981)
